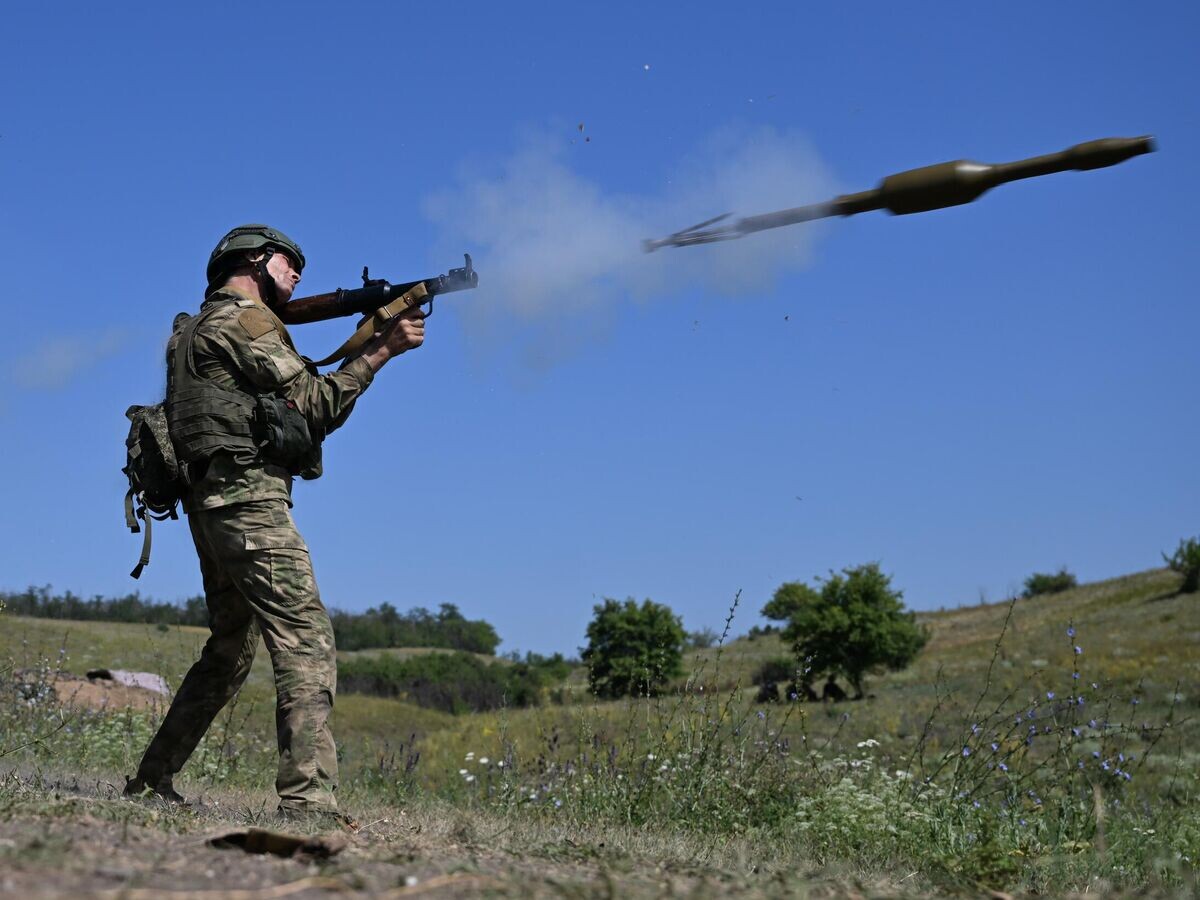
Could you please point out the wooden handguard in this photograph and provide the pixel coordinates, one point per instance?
(374, 322)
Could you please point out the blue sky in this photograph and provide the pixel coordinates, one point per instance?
(966, 396)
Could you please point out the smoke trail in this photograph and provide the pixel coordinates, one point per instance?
(556, 248)
(55, 362)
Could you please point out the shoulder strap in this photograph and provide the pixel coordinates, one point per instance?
(374, 322)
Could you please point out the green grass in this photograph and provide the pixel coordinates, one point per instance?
(824, 787)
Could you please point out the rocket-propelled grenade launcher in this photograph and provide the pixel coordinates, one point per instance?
(375, 294)
(921, 190)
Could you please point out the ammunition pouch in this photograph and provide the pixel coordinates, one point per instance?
(285, 438)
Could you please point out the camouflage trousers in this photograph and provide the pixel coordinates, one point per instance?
(258, 579)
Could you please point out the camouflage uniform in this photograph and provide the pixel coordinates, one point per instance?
(258, 577)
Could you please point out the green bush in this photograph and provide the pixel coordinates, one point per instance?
(1044, 583)
(854, 624)
(780, 670)
(451, 682)
(1186, 562)
(703, 639)
(385, 626)
(633, 650)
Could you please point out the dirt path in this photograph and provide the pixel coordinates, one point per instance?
(61, 840)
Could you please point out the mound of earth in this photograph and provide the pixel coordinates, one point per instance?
(99, 689)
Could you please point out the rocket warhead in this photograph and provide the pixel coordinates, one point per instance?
(923, 189)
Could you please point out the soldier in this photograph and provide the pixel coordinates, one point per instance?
(246, 413)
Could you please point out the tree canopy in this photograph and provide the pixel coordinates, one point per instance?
(632, 649)
(851, 624)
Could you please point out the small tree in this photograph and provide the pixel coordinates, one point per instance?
(702, 639)
(1186, 562)
(632, 649)
(1045, 583)
(852, 625)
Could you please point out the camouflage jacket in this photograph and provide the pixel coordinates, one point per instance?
(242, 346)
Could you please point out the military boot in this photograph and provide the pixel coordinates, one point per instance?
(317, 819)
(160, 788)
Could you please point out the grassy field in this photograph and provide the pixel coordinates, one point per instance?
(1047, 745)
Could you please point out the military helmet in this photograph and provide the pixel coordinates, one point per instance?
(246, 238)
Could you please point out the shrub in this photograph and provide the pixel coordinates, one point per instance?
(1186, 562)
(385, 626)
(780, 670)
(451, 682)
(1043, 583)
(702, 639)
(632, 649)
(853, 625)
(757, 631)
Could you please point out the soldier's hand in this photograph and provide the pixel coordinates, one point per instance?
(404, 334)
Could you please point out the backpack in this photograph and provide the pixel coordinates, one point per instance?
(155, 481)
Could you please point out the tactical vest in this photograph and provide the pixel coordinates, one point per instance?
(204, 419)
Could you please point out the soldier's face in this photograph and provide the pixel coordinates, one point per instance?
(282, 268)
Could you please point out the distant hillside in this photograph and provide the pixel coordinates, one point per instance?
(1136, 626)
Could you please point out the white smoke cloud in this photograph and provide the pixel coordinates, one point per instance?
(56, 361)
(556, 249)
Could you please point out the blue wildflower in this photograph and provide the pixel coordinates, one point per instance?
(1076, 732)
(1078, 649)
(1105, 766)
(966, 751)
(1003, 767)
(995, 746)
(761, 714)
(1091, 723)
(1049, 695)
(1095, 754)
(1075, 676)
(1071, 631)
